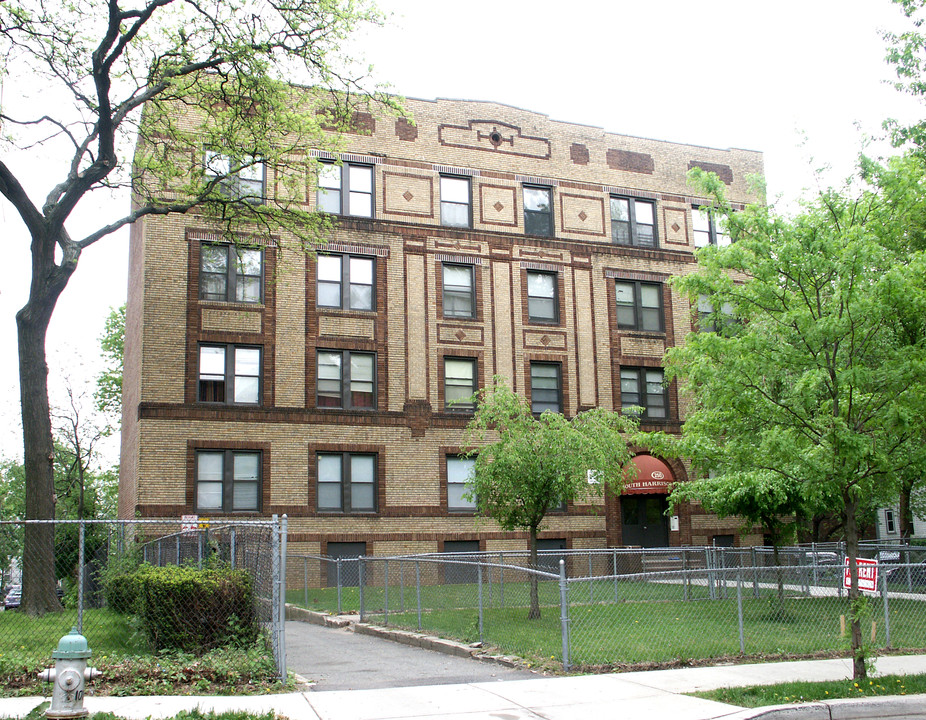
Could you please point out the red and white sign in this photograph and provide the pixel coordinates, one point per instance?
(867, 575)
(190, 523)
(653, 477)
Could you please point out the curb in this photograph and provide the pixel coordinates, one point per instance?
(294, 612)
(894, 706)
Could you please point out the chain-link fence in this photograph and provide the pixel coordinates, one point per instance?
(609, 607)
(85, 575)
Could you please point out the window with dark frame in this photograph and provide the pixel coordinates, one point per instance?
(229, 374)
(239, 177)
(709, 228)
(346, 482)
(710, 321)
(542, 297)
(459, 474)
(633, 221)
(459, 383)
(639, 305)
(546, 387)
(459, 291)
(345, 379)
(345, 189)
(455, 202)
(230, 273)
(889, 524)
(228, 481)
(346, 282)
(538, 211)
(643, 388)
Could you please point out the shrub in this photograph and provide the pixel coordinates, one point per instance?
(182, 608)
(122, 589)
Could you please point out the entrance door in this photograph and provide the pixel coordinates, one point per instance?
(644, 521)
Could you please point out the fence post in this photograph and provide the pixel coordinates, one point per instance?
(418, 591)
(755, 573)
(401, 586)
(305, 580)
(501, 579)
(887, 614)
(739, 607)
(231, 550)
(386, 592)
(479, 580)
(687, 568)
(909, 573)
(338, 580)
(564, 613)
(199, 550)
(284, 531)
(361, 579)
(591, 590)
(614, 568)
(274, 587)
(80, 578)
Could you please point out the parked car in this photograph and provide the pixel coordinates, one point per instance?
(13, 597)
(917, 574)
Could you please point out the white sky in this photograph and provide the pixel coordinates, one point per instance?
(721, 73)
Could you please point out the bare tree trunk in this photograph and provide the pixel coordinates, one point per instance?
(534, 613)
(906, 514)
(48, 281)
(859, 671)
(38, 593)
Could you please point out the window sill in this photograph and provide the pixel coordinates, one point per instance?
(229, 406)
(364, 411)
(646, 334)
(344, 513)
(345, 311)
(234, 304)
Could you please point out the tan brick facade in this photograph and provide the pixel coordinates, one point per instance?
(403, 423)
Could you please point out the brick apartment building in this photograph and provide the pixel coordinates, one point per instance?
(479, 240)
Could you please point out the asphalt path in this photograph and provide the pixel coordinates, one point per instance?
(339, 659)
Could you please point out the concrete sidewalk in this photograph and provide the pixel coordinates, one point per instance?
(639, 695)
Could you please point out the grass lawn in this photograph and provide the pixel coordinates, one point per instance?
(803, 692)
(663, 627)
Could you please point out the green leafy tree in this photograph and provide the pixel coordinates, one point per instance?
(814, 392)
(526, 466)
(108, 393)
(181, 81)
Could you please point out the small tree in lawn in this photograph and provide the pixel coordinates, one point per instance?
(527, 465)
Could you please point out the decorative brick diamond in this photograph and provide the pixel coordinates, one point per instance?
(545, 340)
(498, 207)
(408, 195)
(460, 335)
(676, 227)
(583, 216)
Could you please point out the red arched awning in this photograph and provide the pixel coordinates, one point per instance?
(653, 477)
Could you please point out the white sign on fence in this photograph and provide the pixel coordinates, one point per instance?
(867, 575)
(189, 523)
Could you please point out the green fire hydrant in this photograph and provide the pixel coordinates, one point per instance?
(69, 675)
